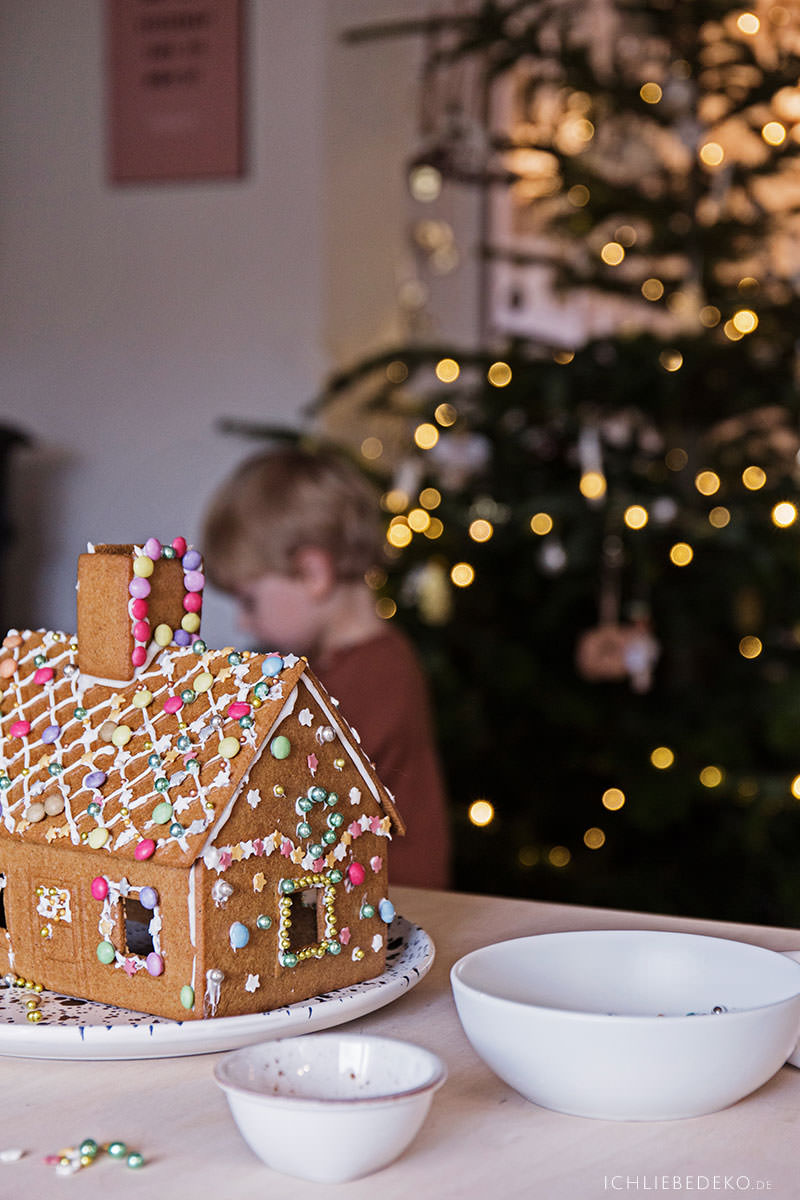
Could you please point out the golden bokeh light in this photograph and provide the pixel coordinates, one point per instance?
(754, 478)
(371, 448)
(559, 856)
(613, 799)
(397, 371)
(795, 787)
(711, 777)
(612, 254)
(426, 436)
(445, 415)
(731, 332)
(650, 92)
(399, 534)
(707, 482)
(750, 647)
(419, 520)
(710, 316)
(563, 357)
(425, 183)
(681, 554)
(447, 370)
(662, 758)
(711, 154)
(462, 574)
(430, 497)
(435, 529)
(578, 195)
(635, 516)
(481, 530)
(481, 812)
(385, 608)
(745, 320)
(719, 517)
(774, 133)
(592, 485)
(784, 514)
(395, 500)
(652, 289)
(528, 856)
(594, 838)
(541, 523)
(676, 459)
(499, 374)
(671, 360)
(748, 22)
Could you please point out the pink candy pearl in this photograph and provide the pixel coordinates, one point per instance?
(138, 656)
(144, 849)
(141, 631)
(139, 588)
(152, 548)
(99, 887)
(173, 704)
(179, 546)
(193, 581)
(192, 602)
(356, 874)
(238, 709)
(138, 609)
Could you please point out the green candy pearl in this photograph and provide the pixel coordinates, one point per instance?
(79, 713)
(89, 1147)
(234, 659)
(304, 829)
(263, 921)
(287, 886)
(335, 876)
(188, 695)
(154, 761)
(333, 948)
(246, 722)
(304, 805)
(117, 1149)
(315, 850)
(317, 794)
(329, 837)
(184, 742)
(288, 959)
(161, 784)
(261, 690)
(40, 660)
(331, 799)
(176, 829)
(93, 809)
(168, 552)
(335, 820)
(134, 1160)
(368, 911)
(199, 646)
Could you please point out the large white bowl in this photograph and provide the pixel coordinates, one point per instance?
(330, 1106)
(625, 1024)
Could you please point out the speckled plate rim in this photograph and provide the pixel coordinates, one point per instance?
(99, 1031)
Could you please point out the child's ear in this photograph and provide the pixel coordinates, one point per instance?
(314, 566)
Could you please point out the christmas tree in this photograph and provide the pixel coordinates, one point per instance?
(591, 512)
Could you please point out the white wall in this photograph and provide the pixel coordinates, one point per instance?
(135, 316)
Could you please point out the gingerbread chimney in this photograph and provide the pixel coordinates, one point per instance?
(130, 597)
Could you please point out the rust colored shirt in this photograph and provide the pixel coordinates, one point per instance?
(383, 694)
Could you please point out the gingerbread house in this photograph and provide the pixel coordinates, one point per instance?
(183, 831)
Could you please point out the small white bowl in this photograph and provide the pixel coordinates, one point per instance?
(330, 1107)
(629, 1025)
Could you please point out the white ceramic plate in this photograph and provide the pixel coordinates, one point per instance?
(82, 1029)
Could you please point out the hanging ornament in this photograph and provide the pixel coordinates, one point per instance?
(616, 650)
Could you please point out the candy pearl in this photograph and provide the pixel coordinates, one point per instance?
(51, 734)
(138, 656)
(163, 634)
(35, 812)
(99, 887)
(263, 921)
(20, 729)
(79, 713)
(144, 849)
(192, 602)
(179, 546)
(304, 829)
(234, 658)
(188, 695)
(333, 947)
(139, 588)
(106, 953)
(117, 1149)
(356, 874)
(182, 637)
(169, 552)
(367, 911)
(95, 779)
(173, 704)
(89, 1147)
(161, 784)
(40, 660)
(239, 935)
(229, 747)
(238, 709)
(154, 965)
(93, 809)
(199, 647)
(176, 829)
(135, 1160)
(121, 736)
(386, 911)
(288, 959)
(141, 631)
(194, 581)
(191, 560)
(152, 548)
(139, 609)
(280, 747)
(272, 665)
(335, 876)
(190, 622)
(162, 813)
(143, 566)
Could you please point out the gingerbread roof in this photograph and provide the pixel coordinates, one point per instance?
(151, 766)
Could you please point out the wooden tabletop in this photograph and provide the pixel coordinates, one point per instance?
(481, 1139)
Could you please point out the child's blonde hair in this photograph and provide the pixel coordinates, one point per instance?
(282, 501)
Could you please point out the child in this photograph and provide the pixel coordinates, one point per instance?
(291, 535)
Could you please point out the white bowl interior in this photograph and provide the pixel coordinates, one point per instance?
(631, 973)
(331, 1068)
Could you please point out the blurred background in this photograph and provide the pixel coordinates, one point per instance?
(535, 266)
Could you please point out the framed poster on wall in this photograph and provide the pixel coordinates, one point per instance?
(175, 103)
